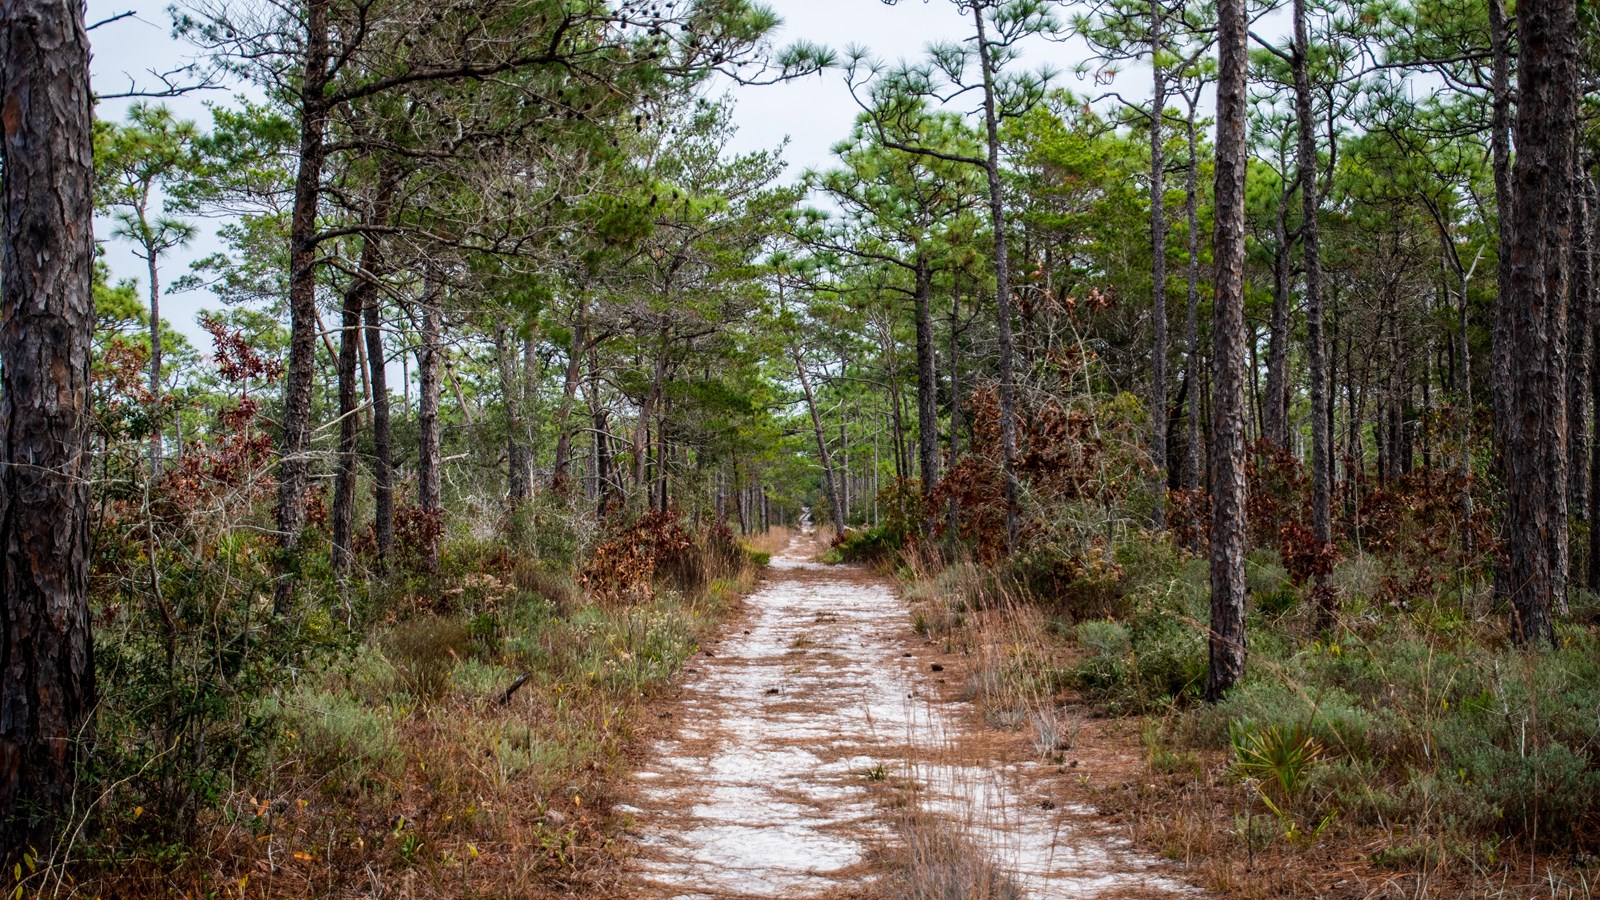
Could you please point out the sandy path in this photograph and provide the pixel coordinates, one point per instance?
(764, 788)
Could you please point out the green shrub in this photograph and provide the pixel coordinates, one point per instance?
(1107, 647)
(336, 734)
(869, 545)
(424, 650)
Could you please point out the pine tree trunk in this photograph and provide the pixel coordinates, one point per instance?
(1579, 353)
(362, 291)
(382, 453)
(154, 271)
(1590, 279)
(927, 397)
(1002, 282)
(429, 362)
(1276, 419)
(518, 488)
(605, 489)
(1531, 323)
(1191, 330)
(1227, 638)
(829, 478)
(47, 677)
(1158, 272)
(1311, 248)
(569, 393)
(1502, 99)
(294, 462)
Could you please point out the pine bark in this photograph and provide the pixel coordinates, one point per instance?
(153, 269)
(1227, 638)
(1501, 101)
(1316, 343)
(47, 678)
(430, 359)
(518, 485)
(359, 294)
(1158, 272)
(294, 463)
(569, 392)
(1587, 269)
(1002, 285)
(1531, 323)
(927, 396)
(1275, 415)
(1191, 329)
(382, 452)
(1580, 347)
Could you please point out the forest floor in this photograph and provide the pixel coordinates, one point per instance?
(822, 748)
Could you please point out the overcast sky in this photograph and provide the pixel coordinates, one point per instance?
(812, 114)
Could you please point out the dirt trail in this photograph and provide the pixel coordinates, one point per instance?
(764, 788)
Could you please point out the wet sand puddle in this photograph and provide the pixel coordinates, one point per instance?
(763, 790)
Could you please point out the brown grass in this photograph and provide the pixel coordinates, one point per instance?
(1176, 803)
(771, 542)
(400, 772)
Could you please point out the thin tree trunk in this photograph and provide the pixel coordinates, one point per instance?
(429, 363)
(1191, 330)
(1588, 274)
(569, 393)
(1002, 289)
(1311, 249)
(518, 488)
(382, 454)
(1276, 417)
(1501, 100)
(295, 445)
(362, 291)
(828, 477)
(927, 398)
(1158, 271)
(47, 677)
(154, 269)
(1228, 532)
(1579, 347)
(1584, 256)
(602, 442)
(953, 511)
(1531, 317)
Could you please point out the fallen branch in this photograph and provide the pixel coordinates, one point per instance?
(522, 679)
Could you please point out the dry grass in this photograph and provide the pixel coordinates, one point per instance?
(402, 771)
(771, 542)
(934, 860)
(1189, 804)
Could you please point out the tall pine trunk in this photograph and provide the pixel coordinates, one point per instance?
(1158, 271)
(153, 269)
(560, 475)
(1501, 101)
(361, 292)
(430, 362)
(382, 452)
(1191, 327)
(1227, 638)
(1579, 351)
(518, 486)
(1275, 426)
(1316, 342)
(294, 464)
(1531, 322)
(47, 678)
(1002, 284)
(927, 396)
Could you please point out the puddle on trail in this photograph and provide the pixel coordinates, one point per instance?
(762, 792)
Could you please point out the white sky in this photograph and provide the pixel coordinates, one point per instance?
(812, 114)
